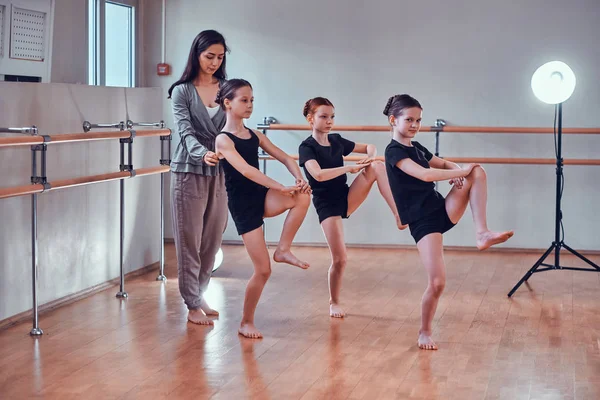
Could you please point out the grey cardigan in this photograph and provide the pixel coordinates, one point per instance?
(197, 131)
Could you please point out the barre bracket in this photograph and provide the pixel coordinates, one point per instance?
(267, 121)
(87, 126)
(130, 124)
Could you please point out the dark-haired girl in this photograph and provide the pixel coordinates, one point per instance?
(412, 169)
(321, 155)
(197, 183)
(252, 196)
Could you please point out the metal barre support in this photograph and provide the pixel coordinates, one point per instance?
(130, 124)
(36, 331)
(30, 130)
(161, 274)
(437, 128)
(165, 159)
(122, 294)
(87, 126)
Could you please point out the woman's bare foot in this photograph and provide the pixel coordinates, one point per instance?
(206, 308)
(198, 317)
(288, 258)
(249, 331)
(399, 223)
(487, 239)
(426, 343)
(336, 311)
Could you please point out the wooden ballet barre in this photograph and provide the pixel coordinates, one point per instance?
(152, 170)
(92, 136)
(80, 181)
(20, 141)
(480, 160)
(455, 129)
(508, 129)
(530, 161)
(86, 180)
(349, 128)
(20, 190)
(153, 132)
(62, 138)
(87, 137)
(79, 137)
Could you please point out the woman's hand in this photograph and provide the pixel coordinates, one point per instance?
(210, 158)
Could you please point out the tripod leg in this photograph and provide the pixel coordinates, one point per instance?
(532, 270)
(581, 256)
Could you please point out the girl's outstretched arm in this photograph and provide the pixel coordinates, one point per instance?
(440, 163)
(366, 148)
(413, 169)
(285, 159)
(320, 175)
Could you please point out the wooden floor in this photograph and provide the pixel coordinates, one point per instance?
(541, 344)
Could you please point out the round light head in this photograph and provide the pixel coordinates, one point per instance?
(218, 259)
(553, 82)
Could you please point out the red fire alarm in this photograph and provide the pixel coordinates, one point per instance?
(163, 69)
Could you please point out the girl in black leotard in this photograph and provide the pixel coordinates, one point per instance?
(321, 155)
(412, 169)
(253, 195)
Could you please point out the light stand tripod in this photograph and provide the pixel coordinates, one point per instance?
(558, 241)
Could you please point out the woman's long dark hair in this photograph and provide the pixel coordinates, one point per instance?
(203, 41)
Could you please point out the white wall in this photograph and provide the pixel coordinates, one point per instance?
(70, 44)
(469, 62)
(78, 228)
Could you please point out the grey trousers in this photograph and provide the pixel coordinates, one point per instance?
(199, 210)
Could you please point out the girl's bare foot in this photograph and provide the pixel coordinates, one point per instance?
(336, 311)
(426, 343)
(288, 258)
(198, 317)
(206, 308)
(249, 331)
(487, 239)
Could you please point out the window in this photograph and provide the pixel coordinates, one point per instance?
(112, 50)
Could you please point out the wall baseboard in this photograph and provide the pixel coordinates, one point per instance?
(63, 301)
